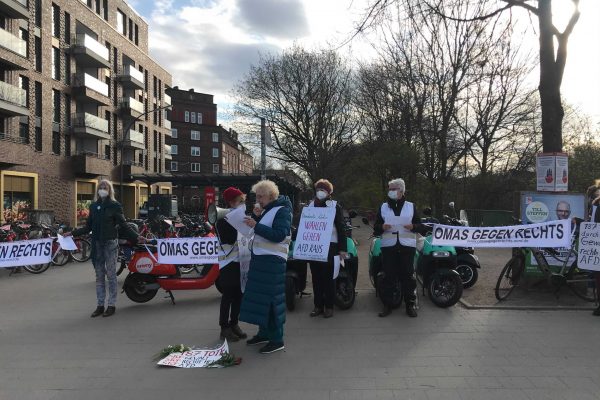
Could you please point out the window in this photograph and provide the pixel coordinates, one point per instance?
(67, 145)
(56, 63)
(67, 68)
(24, 84)
(105, 8)
(195, 151)
(107, 151)
(56, 142)
(38, 99)
(24, 35)
(55, 20)
(38, 53)
(97, 6)
(199, 118)
(215, 168)
(174, 133)
(120, 22)
(67, 28)
(187, 116)
(67, 110)
(136, 34)
(38, 138)
(38, 13)
(130, 29)
(174, 166)
(215, 152)
(195, 135)
(24, 132)
(215, 136)
(56, 104)
(195, 167)
(174, 149)
(193, 117)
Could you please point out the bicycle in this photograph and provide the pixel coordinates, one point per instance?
(575, 279)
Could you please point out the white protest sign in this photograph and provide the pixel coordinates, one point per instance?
(245, 255)
(66, 242)
(314, 233)
(25, 252)
(546, 234)
(200, 250)
(197, 358)
(589, 246)
(236, 219)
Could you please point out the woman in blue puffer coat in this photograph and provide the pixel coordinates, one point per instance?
(264, 298)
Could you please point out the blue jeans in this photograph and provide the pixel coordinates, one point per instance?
(272, 331)
(105, 265)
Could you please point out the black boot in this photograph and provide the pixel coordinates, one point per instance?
(597, 311)
(110, 310)
(387, 310)
(411, 310)
(227, 333)
(99, 310)
(238, 332)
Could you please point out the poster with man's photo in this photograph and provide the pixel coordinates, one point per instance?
(539, 207)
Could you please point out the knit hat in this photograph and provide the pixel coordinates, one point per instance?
(231, 194)
(325, 185)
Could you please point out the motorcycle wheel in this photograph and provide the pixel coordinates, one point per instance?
(36, 269)
(344, 291)
(445, 290)
(468, 274)
(396, 300)
(135, 290)
(290, 293)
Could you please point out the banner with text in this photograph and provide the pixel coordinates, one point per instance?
(25, 252)
(196, 358)
(200, 250)
(588, 254)
(314, 233)
(547, 234)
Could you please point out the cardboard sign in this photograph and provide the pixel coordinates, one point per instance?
(201, 250)
(547, 234)
(197, 358)
(25, 252)
(588, 254)
(314, 233)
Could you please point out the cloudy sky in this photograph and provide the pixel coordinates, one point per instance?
(209, 45)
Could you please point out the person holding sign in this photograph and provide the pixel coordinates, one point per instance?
(322, 272)
(397, 222)
(263, 303)
(106, 214)
(596, 218)
(229, 274)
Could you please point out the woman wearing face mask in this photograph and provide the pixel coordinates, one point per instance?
(106, 214)
(398, 246)
(322, 272)
(229, 274)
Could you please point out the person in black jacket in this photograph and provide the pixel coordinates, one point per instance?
(322, 272)
(229, 274)
(397, 222)
(106, 214)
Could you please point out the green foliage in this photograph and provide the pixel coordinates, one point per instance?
(584, 167)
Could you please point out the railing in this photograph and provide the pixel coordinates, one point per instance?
(85, 120)
(167, 124)
(13, 43)
(13, 94)
(168, 149)
(130, 102)
(130, 70)
(14, 139)
(88, 81)
(92, 155)
(135, 136)
(133, 163)
(89, 42)
(166, 99)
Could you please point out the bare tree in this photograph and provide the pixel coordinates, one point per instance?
(306, 97)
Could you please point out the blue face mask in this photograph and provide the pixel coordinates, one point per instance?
(322, 195)
(393, 194)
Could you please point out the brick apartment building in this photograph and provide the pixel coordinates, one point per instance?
(199, 146)
(74, 75)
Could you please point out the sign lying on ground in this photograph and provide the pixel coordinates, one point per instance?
(314, 233)
(197, 358)
(588, 254)
(25, 252)
(202, 250)
(547, 234)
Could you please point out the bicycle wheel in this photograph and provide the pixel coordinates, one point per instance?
(83, 253)
(509, 278)
(579, 283)
(36, 269)
(61, 258)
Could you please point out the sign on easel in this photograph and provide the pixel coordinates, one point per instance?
(314, 233)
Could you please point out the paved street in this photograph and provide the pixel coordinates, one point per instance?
(51, 349)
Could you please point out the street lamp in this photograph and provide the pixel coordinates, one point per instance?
(122, 142)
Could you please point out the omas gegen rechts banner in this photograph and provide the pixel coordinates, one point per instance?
(25, 252)
(201, 250)
(547, 234)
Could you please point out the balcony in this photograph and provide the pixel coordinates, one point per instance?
(89, 52)
(134, 139)
(130, 107)
(89, 89)
(13, 43)
(88, 125)
(13, 100)
(166, 100)
(167, 125)
(15, 8)
(90, 164)
(168, 155)
(132, 168)
(131, 78)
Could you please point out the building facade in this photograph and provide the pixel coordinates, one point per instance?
(199, 146)
(77, 91)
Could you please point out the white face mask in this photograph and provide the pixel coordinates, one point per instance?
(322, 195)
(393, 194)
(103, 193)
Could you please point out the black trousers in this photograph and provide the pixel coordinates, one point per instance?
(322, 279)
(398, 265)
(231, 300)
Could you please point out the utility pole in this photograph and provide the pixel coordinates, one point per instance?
(263, 150)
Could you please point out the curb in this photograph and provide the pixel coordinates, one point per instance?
(470, 306)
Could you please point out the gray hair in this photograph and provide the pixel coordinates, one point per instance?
(399, 182)
(111, 189)
(266, 187)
